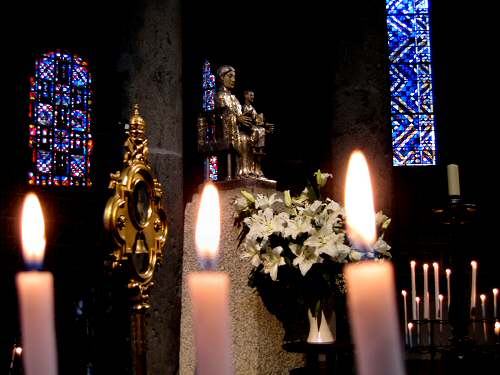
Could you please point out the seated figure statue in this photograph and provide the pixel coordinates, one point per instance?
(236, 126)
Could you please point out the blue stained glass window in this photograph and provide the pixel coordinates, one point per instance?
(60, 121)
(412, 111)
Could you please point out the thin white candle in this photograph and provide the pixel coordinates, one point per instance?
(495, 296)
(371, 295)
(473, 297)
(36, 296)
(413, 290)
(483, 305)
(440, 297)
(418, 318)
(453, 180)
(410, 333)
(497, 328)
(403, 292)
(426, 291)
(209, 291)
(437, 312)
(448, 287)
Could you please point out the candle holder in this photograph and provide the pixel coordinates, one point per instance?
(458, 217)
(135, 218)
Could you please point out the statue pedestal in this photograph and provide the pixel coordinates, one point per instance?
(257, 335)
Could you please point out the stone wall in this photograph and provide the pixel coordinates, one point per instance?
(151, 61)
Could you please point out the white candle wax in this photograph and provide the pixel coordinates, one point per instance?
(495, 295)
(413, 290)
(426, 291)
(453, 180)
(209, 293)
(374, 320)
(497, 328)
(418, 318)
(473, 297)
(483, 305)
(36, 296)
(448, 287)
(410, 333)
(405, 315)
(36, 304)
(437, 312)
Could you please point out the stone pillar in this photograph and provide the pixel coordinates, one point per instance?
(257, 335)
(152, 63)
(361, 102)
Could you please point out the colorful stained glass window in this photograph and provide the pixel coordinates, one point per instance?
(208, 105)
(412, 110)
(60, 121)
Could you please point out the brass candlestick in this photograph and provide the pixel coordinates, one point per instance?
(135, 218)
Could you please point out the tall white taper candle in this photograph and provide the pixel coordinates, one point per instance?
(426, 291)
(413, 290)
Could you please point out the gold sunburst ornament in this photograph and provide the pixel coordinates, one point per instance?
(135, 217)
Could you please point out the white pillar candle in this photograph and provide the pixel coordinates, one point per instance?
(374, 318)
(483, 305)
(36, 296)
(437, 312)
(448, 287)
(453, 180)
(403, 292)
(495, 295)
(209, 292)
(426, 291)
(473, 297)
(371, 294)
(413, 290)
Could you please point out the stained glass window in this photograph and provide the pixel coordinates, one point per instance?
(412, 112)
(60, 113)
(208, 104)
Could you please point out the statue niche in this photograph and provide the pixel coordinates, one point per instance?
(229, 129)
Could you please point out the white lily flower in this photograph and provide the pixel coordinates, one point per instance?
(306, 257)
(382, 247)
(262, 201)
(322, 178)
(272, 259)
(252, 251)
(241, 203)
(265, 223)
(296, 226)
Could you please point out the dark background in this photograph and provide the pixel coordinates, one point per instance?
(288, 54)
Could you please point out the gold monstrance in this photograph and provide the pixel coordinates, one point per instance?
(135, 218)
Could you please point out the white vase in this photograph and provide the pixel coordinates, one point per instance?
(323, 335)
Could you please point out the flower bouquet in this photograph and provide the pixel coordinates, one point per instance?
(297, 246)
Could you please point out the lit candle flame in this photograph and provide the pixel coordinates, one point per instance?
(359, 202)
(403, 292)
(448, 272)
(18, 350)
(426, 266)
(33, 231)
(482, 297)
(441, 297)
(208, 225)
(413, 263)
(495, 291)
(473, 264)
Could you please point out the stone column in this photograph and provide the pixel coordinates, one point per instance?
(361, 102)
(152, 62)
(256, 334)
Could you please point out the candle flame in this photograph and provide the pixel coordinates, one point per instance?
(413, 263)
(18, 350)
(33, 231)
(441, 297)
(359, 202)
(417, 299)
(448, 271)
(410, 326)
(435, 265)
(426, 266)
(473, 264)
(208, 224)
(483, 297)
(403, 292)
(495, 291)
